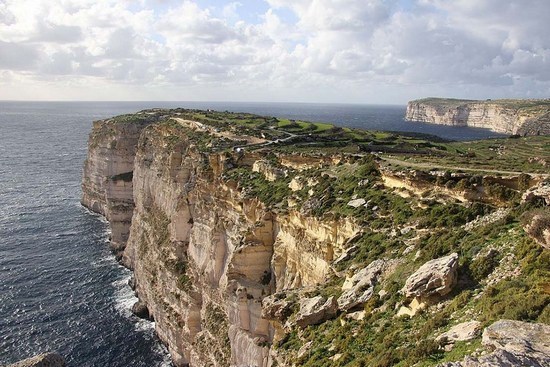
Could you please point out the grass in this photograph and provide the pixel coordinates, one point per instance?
(527, 154)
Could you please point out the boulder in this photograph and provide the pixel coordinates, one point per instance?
(541, 191)
(461, 332)
(435, 278)
(316, 310)
(539, 229)
(359, 288)
(514, 343)
(356, 203)
(276, 307)
(41, 360)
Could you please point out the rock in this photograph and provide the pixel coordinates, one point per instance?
(434, 278)
(360, 287)
(541, 191)
(304, 349)
(346, 255)
(539, 229)
(132, 283)
(276, 307)
(413, 308)
(498, 115)
(42, 360)
(461, 332)
(140, 310)
(356, 203)
(358, 315)
(514, 343)
(315, 310)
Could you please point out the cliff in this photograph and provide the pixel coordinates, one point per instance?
(523, 117)
(246, 252)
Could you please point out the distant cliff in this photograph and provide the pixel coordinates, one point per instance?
(508, 116)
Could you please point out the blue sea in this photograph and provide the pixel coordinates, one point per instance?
(60, 287)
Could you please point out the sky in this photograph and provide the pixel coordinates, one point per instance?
(325, 51)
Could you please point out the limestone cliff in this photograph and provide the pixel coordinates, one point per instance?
(240, 254)
(523, 117)
(108, 170)
(203, 254)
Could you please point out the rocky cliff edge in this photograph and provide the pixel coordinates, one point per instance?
(523, 117)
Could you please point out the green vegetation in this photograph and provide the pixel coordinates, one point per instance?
(254, 184)
(527, 154)
(449, 187)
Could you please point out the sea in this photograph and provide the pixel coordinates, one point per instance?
(60, 287)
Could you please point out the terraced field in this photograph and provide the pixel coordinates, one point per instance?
(529, 155)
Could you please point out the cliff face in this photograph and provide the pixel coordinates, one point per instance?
(238, 256)
(108, 170)
(528, 117)
(203, 255)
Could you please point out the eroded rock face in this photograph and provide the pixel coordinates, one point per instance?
(496, 116)
(108, 172)
(514, 343)
(315, 310)
(434, 278)
(305, 247)
(42, 360)
(203, 255)
(359, 288)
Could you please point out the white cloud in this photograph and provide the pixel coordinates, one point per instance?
(330, 50)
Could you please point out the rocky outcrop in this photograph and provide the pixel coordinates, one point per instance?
(524, 117)
(433, 279)
(204, 254)
(539, 192)
(513, 343)
(538, 227)
(42, 360)
(316, 310)
(359, 288)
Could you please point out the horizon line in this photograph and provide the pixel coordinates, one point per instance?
(197, 101)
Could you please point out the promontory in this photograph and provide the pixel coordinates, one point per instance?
(263, 241)
(508, 116)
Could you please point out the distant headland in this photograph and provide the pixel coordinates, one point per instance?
(509, 116)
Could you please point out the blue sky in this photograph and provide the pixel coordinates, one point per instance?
(357, 51)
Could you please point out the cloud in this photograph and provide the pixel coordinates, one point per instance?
(14, 56)
(328, 50)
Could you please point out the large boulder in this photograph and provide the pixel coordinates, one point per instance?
(41, 360)
(276, 307)
(359, 288)
(461, 332)
(514, 343)
(316, 310)
(435, 278)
